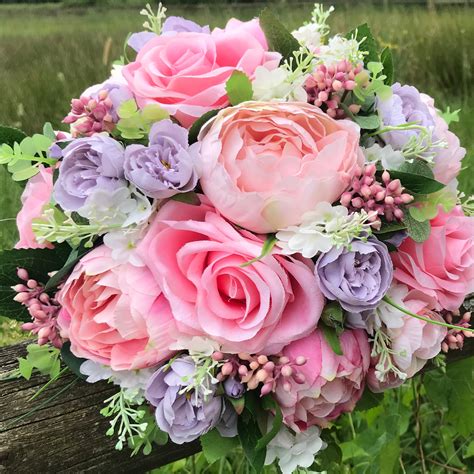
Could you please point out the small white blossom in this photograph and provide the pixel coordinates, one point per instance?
(196, 345)
(308, 35)
(325, 227)
(389, 158)
(277, 84)
(294, 450)
(338, 49)
(123, 244)
(95, 372)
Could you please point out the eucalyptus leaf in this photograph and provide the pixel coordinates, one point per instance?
(418, 231)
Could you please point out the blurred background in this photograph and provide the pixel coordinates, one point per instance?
(50, 52)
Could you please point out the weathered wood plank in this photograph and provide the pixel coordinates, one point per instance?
(68, 435)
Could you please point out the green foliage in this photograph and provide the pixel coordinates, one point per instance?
(73, 362)
(332, 337)
(367, 41)
(188, 198)
(267, 248)
(134, 124)
(367, 122)
(10, 135)
(333, 316)
(148, 437)
(38, 262)
(386, 58)
(426, 206)
(278, 37)
(418, 231)
(269, 404)
(215, 447)
(238, 88)
(450, 116)
(199, 123)
(43, 359)
(417, 177)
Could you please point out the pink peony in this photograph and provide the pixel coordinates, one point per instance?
(442, 267)
(196, 257)
(413, 344)
(333, 384)
(447, 161)
(186, 72)
(115, 314)
(265, 164)
(36, 195)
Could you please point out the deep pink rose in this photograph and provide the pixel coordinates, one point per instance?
(265, 164)
(196, 257)
(447, 160)
(333, 384)
(36, 195)
(186, 72)
(413, 344)
(442, 267)
(115, 314)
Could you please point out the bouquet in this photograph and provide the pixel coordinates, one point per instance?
(243, 229)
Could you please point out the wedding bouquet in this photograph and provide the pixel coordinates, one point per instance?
(243, 229)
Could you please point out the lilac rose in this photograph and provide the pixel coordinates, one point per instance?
(186, 415)
(89, 163)
(357, 278)
(167, 166)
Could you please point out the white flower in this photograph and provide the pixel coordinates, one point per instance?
(116, 74)
(294, 450)
(95, 372)
(123, 244)
(308, 35)
(277, 84)
(338, 49)
(389, 158)
(196, 345)
(325, 227)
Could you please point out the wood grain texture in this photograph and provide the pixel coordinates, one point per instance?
(68, 434)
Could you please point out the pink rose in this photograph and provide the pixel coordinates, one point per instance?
(447, 160)
(186, 72)
(442, 267)
(333, 384)
(36, 195)
(115, 314)
(196, 257)
(413, 344)
(265, 164)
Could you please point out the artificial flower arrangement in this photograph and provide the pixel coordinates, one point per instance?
(243, 229)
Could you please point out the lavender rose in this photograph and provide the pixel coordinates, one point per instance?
(185, 415)
(357, 278)
(88, 164)
(178, 24)
(166, 166)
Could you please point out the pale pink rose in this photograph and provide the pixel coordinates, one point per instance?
(413, 344)
(333, 384)
(115, 314)
(196, 257)
(442, 267)
(265, 164)
(36, 195)
(185, 73)
(447, 160)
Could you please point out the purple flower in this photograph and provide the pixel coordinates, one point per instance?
(233, 388)
(177, 24)
(397, 238)
(404, 106)
(138, 40)
(88, 163)
(357, 278)
(166, 166)
(183, 415)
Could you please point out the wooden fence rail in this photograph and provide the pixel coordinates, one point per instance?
(68, 434)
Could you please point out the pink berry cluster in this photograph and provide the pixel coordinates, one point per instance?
(42, 308)
(90, 115)
(259, 370)
(386, 198)
(327, 86)
(455, 337)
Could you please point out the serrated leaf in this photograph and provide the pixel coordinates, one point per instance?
(369, 44)
(386, 58)
(370, 122)
(154, 113)
(418, 231)
(278, 37)
(25, 368)
(198, 124)
(331, 337)
(74, 363)
(268, 245)
(238, 88)
(215, 447)
(127, 109)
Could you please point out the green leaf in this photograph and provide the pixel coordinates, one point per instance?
(238, 404)
(48, 131)
(369, 400)
(417, 183)
(238, 88)
(450, 116)
(269, 404)
(249, 434)
(74, 363)
(268, 245)
(369, 44)
(10, 135)
(390, 227)
(425, 207)
(370, 122)
(38, 263)
(215, 447)
(199, 123)
(44, 359)
(25, 368)
(386, 58)
(188, 198)
(127, 109)
(25, 174)
(418, 231)
(418, 167)
(333, 316)
(331, 337)
(278, 37)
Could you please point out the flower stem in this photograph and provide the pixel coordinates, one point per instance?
(428, 320)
